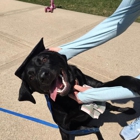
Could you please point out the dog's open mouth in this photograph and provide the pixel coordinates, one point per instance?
(60, 86)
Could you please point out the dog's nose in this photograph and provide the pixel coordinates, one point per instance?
(43, 75)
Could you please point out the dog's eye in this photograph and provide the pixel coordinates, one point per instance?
(32, 77)
(44, 60)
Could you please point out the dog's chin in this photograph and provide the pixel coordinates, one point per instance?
(60, 86)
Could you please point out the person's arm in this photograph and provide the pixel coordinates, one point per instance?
(105, 94)
(87, 95)
(111, 27)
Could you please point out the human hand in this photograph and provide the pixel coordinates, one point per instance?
(78, 89)
(55, 49)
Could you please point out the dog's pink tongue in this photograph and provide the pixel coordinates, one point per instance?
(54, 89)
(53, 94)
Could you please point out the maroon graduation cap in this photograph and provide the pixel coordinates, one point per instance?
(36, 50)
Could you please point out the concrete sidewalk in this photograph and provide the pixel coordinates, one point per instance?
(21, 27)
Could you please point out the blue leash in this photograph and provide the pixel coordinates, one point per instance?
(81, 132)
(74, 132)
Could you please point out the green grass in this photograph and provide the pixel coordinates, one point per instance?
(95, 7)
(138, 19)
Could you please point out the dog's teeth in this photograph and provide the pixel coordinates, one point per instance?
(61, 90)
(63, 80)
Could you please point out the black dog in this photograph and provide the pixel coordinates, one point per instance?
(48, 73)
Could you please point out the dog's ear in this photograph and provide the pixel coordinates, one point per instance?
(64, 57)
(25, 94)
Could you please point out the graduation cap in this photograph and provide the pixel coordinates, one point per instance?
(25, 93)
(36, 50)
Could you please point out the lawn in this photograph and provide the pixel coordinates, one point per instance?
(95, 7)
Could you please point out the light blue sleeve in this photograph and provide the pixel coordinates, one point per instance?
(111, 27)
(106, 94)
